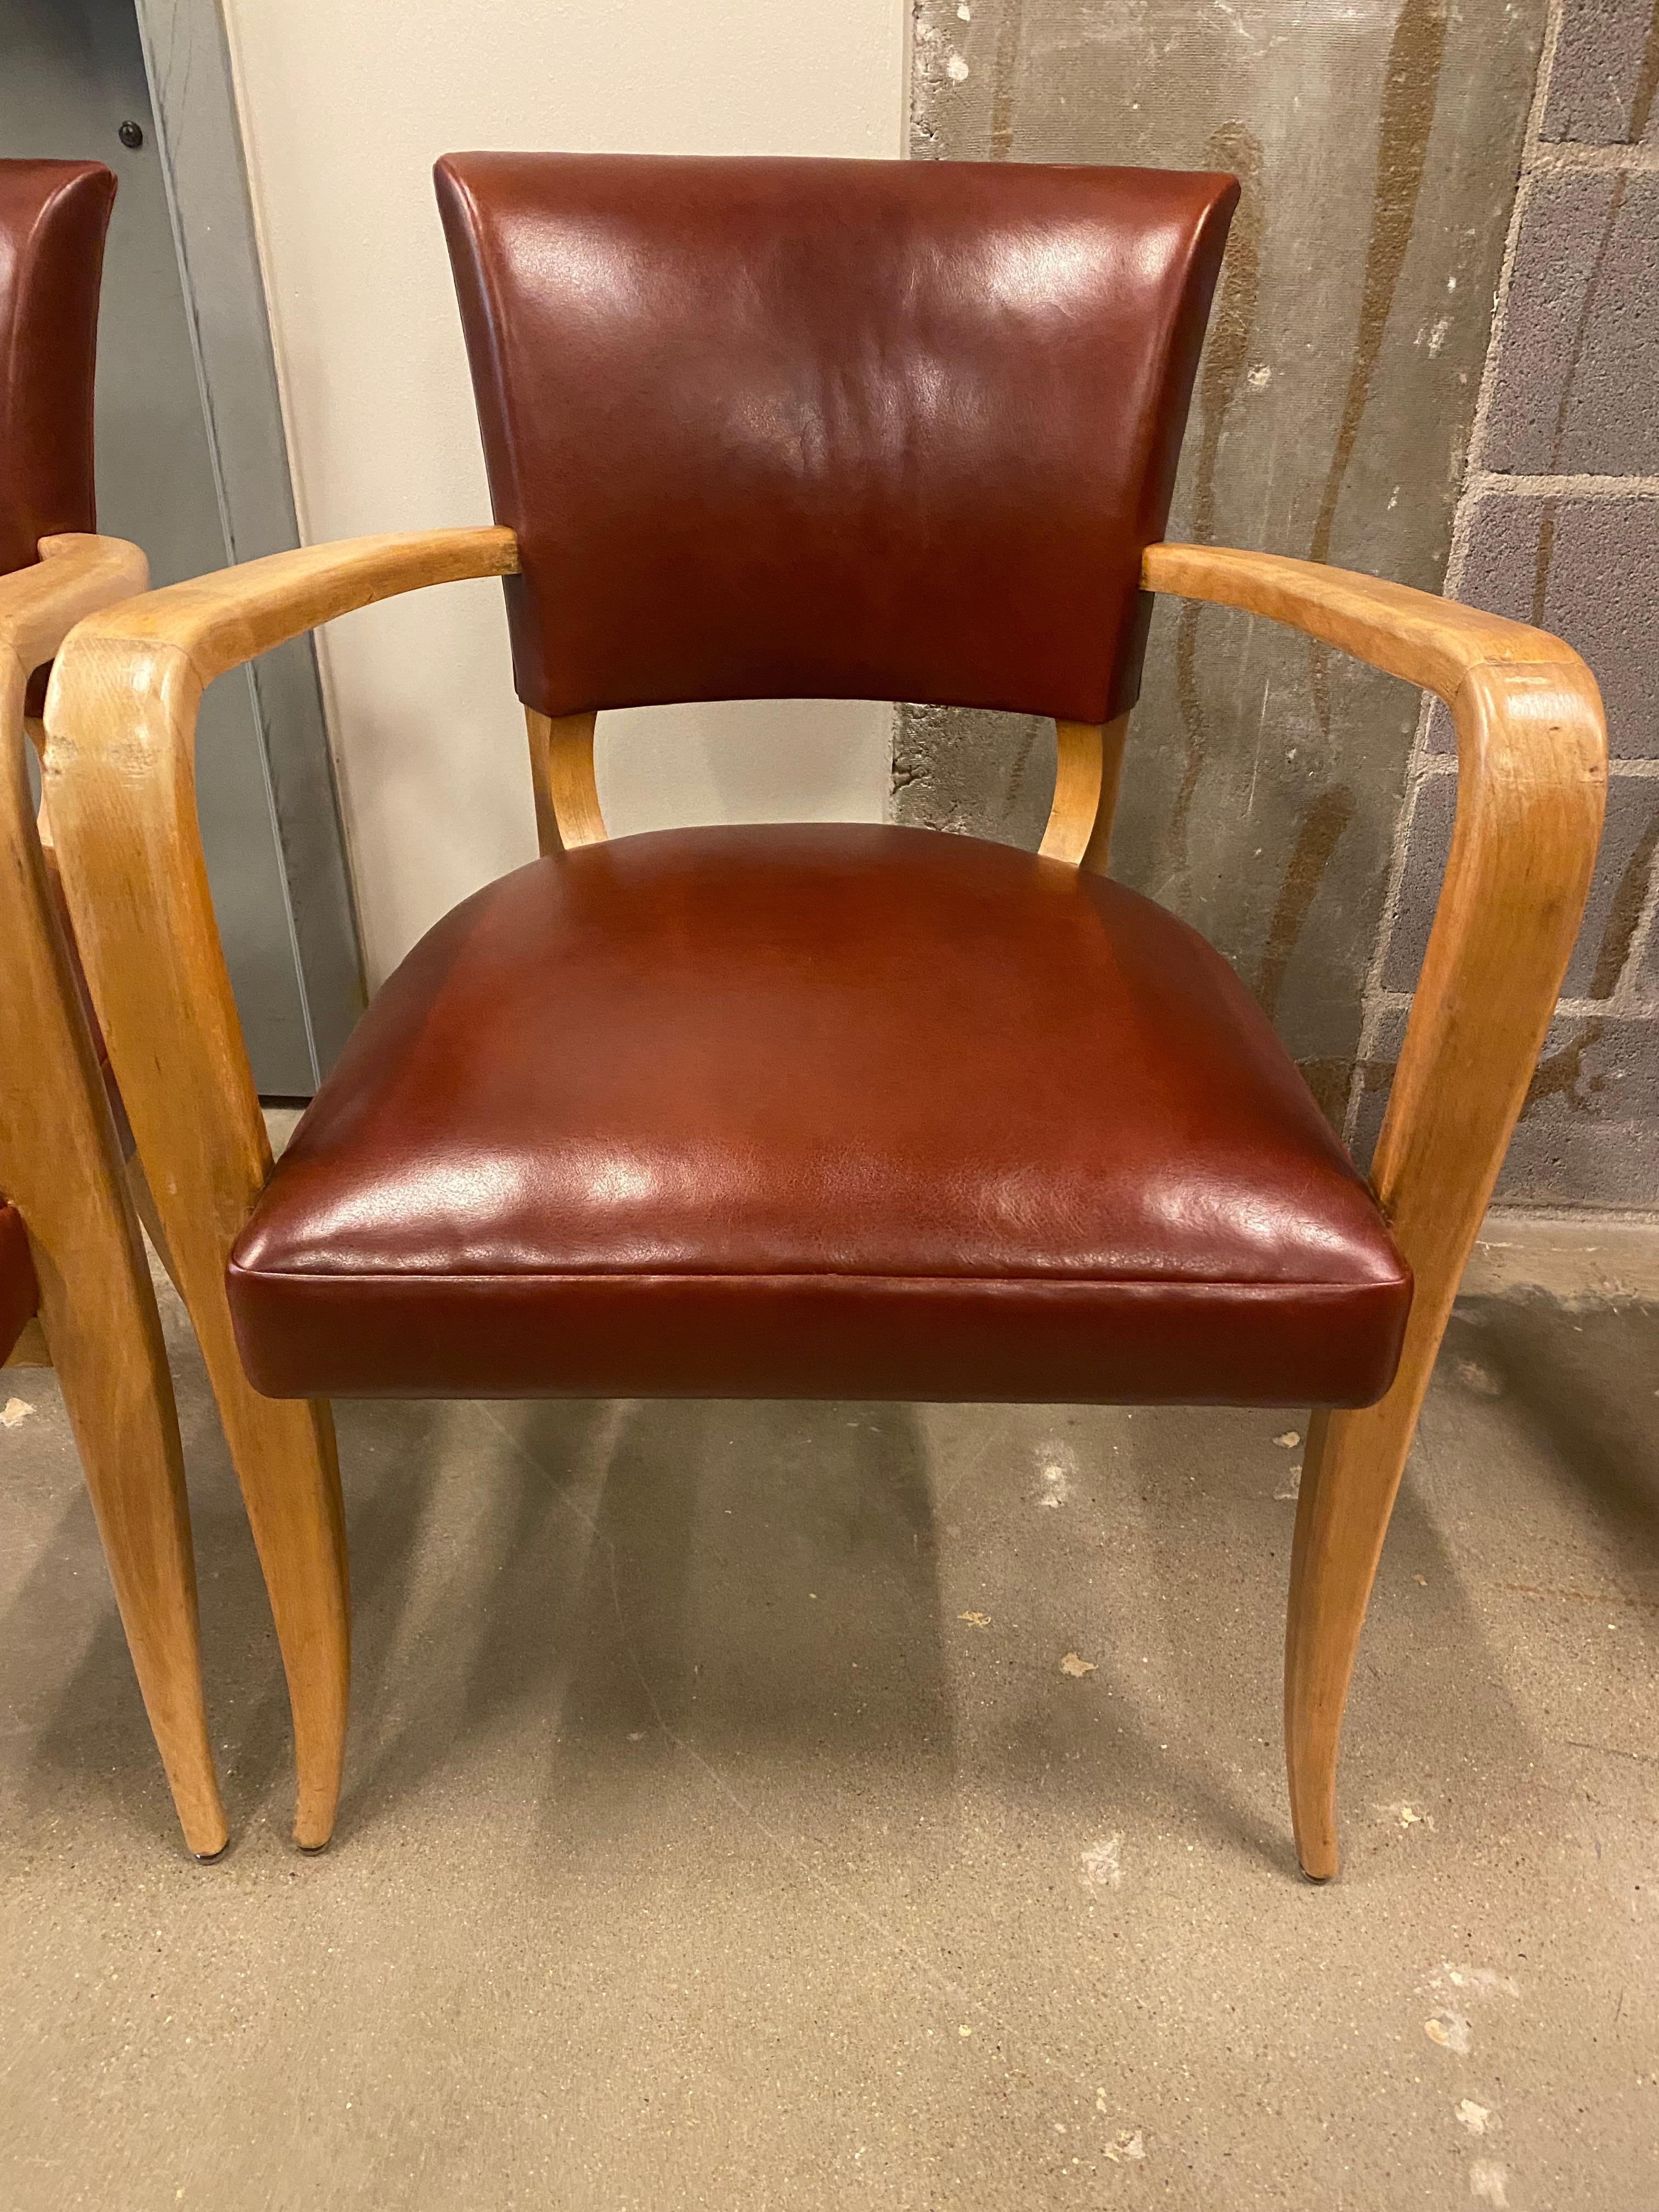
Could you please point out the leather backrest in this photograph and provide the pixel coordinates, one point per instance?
(773, 428)
(53, 215)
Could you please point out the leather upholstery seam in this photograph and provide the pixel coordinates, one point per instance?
(454, 1278)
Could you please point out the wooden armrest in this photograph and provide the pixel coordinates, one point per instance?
(39, 606)
(119, 774)
(1532, 784)
(218, 621)
(1430, 641)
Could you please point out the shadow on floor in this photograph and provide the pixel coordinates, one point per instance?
(602, 1586)
(1583, 1383)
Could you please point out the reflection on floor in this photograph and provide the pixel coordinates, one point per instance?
(823, 1805)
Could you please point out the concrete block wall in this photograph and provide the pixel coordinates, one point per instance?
(1434, 356)
(1558, 525)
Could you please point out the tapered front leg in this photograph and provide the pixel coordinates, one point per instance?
(284, 1455)
(119, 1397)
(1351, 1473)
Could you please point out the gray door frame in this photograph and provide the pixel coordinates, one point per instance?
(192, 93)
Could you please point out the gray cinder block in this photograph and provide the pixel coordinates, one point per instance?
(1589, 1134)
(1602, 88)
(1573, 387)
(1588, 569)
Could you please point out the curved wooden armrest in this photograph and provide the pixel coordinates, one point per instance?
(1428, 640)
(218, 621)
(119, 774)
(75, 575)
(1532, 761)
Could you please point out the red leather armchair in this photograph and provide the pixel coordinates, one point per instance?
(823, 1110)
(74, 1289)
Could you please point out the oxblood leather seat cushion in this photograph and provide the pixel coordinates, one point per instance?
(816, 1111)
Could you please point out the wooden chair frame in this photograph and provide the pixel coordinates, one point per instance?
(1532, 761)
(61, 1165)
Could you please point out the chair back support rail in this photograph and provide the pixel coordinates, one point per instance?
(1531, 746)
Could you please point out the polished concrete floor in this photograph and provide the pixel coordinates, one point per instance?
(810, 1806)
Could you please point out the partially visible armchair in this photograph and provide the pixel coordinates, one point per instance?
(75, 1287)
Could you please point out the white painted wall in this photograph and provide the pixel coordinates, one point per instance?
(345, 107)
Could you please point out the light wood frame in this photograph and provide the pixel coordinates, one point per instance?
(61, 1166)
(1531, 759)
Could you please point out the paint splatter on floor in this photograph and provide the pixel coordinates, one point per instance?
(1478, 1379)
(1071, 1664)
(1058, 1467)
(1103, 1863)
(1407, 1816)
(1477, 1982)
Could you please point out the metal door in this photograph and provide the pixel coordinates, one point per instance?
(73, 86)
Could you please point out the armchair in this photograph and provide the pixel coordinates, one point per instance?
(822, 1110)
(75, 1288)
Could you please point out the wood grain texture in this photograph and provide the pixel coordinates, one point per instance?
(1088, 763)
(60, 1162)
(1531, 781)
(120, 786)
(561, 774)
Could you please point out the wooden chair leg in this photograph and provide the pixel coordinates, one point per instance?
(284, 1455)
(1351, 1473)
(119, 1397)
